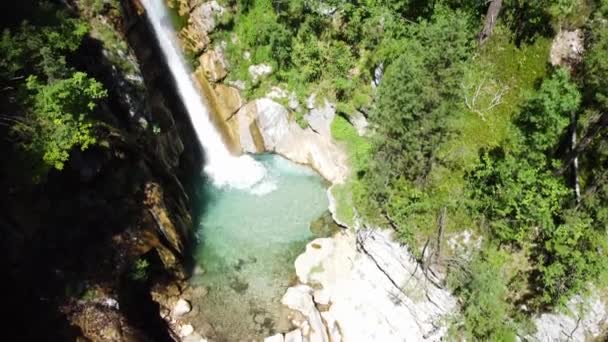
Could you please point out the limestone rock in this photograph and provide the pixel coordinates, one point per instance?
(294, 336)
(181, 308)
(332, 326)
(186, 330)
(274, 338)
(567, 48)
(358, 120)
(259, 70)
(593, 313)
(264, 125)
(230, 99)
(320, 117)
(213, 65)
(299, 298)
(400, 303)
(195, 337)
(202, 20)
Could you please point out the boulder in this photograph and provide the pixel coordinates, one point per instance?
(202, 20)
(213, 65)
(265, 125)
(274, 338)
(230, 99)
(299, 298)
(259, 70)
(359, 121)
(320, 117)
(586, 323)
(294, 336)
(181, 308)
(186, 330)
(567, 48)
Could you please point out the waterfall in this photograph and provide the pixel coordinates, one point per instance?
(221, 167)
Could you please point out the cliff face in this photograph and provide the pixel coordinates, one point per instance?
(83, 248)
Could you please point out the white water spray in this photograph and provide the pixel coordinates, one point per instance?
(223, 168)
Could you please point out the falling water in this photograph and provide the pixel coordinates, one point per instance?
(222, 168)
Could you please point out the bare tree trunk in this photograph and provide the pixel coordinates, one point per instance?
(592, 132)
(441, 226)
(577, 186)
(490, 22)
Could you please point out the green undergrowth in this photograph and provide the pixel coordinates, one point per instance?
(357, 149)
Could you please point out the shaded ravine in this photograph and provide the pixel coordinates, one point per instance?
(255, 216)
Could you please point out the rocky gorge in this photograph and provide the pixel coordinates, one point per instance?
(129, 266)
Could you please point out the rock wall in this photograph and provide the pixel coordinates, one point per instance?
(82, 249)
(363, 286)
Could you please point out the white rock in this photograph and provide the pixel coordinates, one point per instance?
(298, 298)
(320, 117)
(378, 74)
(294, 336)
(284, 136)
(111, 302)
(366, 304)
(181, 308)
(358, 120)
(239, 84)
(186, 330)
(567, 48)
(277, 93)
(204, 16)
(310, 101)
(321, 297)
(259, 70)
(195, 337)
(274, 338)
(332, 326)
(556, 326)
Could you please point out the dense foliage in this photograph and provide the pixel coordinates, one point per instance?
(51, 100)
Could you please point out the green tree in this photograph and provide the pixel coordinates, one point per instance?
(570, 255)
(414, 105)
(59, 119)
(485, 308)
(516, 195)
(545, 117)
